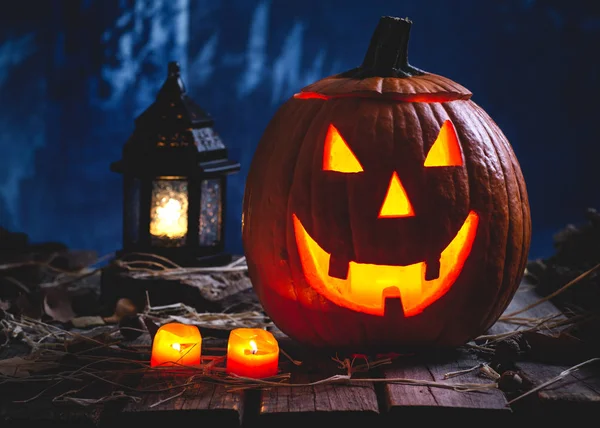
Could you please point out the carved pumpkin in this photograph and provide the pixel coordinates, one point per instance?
(383, 208)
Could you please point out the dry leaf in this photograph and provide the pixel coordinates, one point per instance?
(20, 367)
(91, 321)
(124, 308)
(57, 304)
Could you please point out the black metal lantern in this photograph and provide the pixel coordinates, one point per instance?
(174, 169)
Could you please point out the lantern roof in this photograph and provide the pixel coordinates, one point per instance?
(173, 107)
(175, 134)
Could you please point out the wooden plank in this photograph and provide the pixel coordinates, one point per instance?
(577, 394)
(46, 406)
(354, 402)
(432, 402)
(525, 296)
(204, 402)
(583, 385)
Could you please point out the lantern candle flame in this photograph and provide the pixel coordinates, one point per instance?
(169, 218)
(170, 212)
(253, 346)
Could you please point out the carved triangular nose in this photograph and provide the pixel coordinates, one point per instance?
(396, 202)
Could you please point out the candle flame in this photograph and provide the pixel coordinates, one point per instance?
(253, 346)
(169, 218)
(170, 211)
(176, 346)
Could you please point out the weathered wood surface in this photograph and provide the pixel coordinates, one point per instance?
(353, 402)
(524, 297)
(582, 386)
(201, 402)
(67, 403)
(573, 399)
(367, 402)
(433, 402)
(577, 393)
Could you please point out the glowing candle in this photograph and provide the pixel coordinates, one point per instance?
(252, 352)
(169, 212)
(176, 345)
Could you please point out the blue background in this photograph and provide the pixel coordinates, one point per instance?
(74, 75)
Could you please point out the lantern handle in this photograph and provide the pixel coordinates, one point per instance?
(174, 69)
(387, 55)
(173, 87)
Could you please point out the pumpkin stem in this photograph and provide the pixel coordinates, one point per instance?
(387, 55)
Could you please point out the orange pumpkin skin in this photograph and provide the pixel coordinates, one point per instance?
(390, 123)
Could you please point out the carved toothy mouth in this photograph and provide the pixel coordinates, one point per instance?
(367, 286)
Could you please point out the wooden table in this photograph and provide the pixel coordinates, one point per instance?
(378, 403)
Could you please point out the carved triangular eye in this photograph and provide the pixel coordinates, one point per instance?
(446, 148)
(337, 156)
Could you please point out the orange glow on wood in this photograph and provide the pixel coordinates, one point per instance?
(446, 148)
(252, 352)
(396, 203)
(367, 285)
(337, 156)
(176, 344)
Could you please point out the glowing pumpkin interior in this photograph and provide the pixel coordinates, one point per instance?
(366, 287)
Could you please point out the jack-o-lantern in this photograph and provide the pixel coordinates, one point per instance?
(383, 208)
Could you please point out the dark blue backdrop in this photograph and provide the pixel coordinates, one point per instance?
(74, 74)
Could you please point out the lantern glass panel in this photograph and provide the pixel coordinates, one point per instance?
(210, 212)
(169, 212)
(131, 225)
